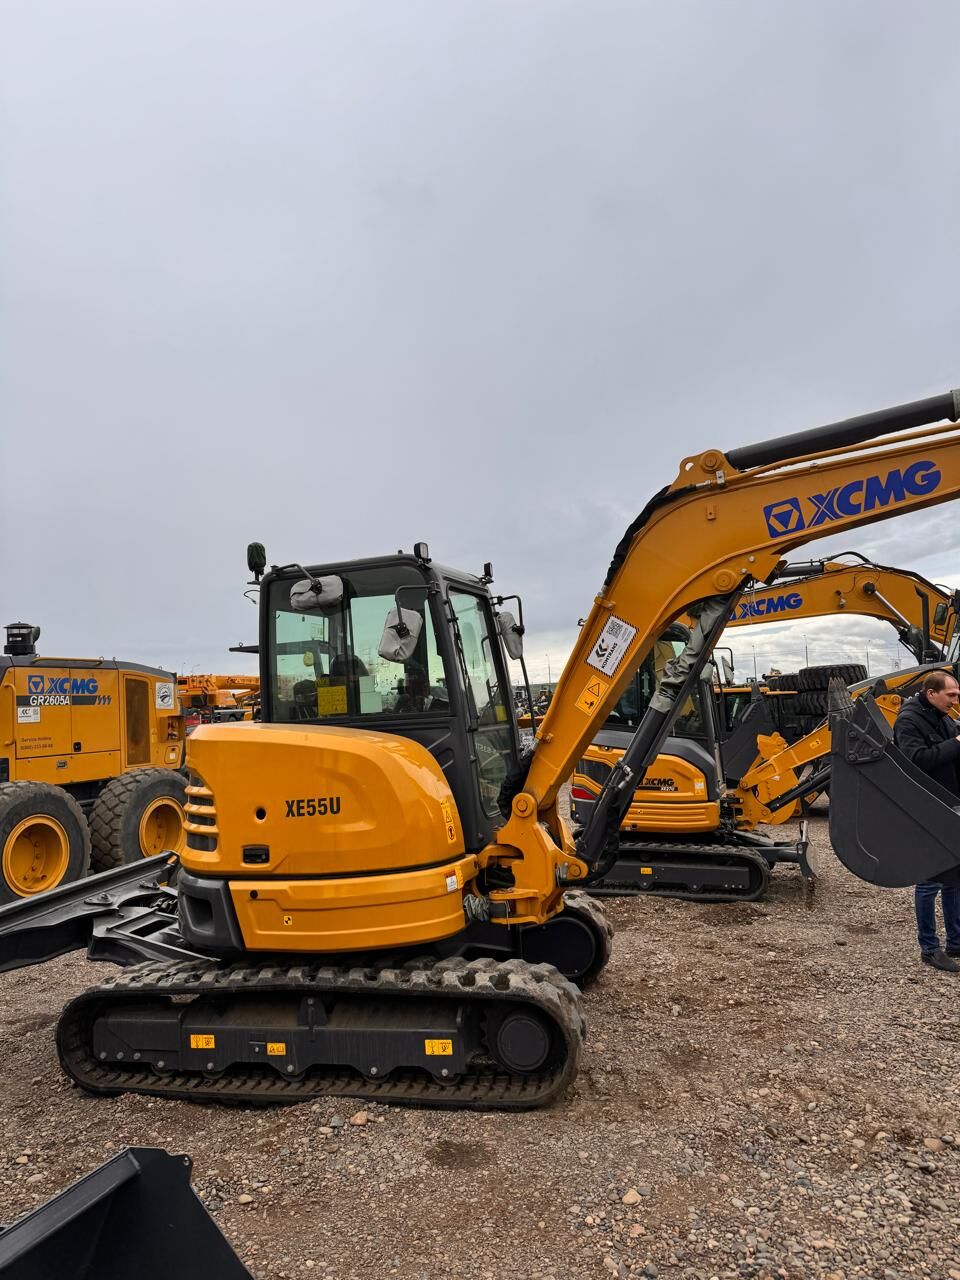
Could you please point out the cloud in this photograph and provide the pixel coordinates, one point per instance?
(339, 277)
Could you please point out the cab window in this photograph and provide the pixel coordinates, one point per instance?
(493, 740)
(635, 699)
(325, 663)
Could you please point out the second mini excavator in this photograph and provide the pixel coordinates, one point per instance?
(690, 830)
(334, 922)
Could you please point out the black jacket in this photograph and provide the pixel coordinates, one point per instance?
(929, 738)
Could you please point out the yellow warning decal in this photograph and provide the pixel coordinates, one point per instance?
(332, 700)
(203, 1042)
(446, 808)
(276, 1048)
(592, 695)
(646, 871)
(438, 1048)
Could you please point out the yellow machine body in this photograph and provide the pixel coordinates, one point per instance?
(671, 798)
(67, 721)
(332, 839)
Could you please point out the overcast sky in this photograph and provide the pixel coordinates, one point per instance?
(342, 276)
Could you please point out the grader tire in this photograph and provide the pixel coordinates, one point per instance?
(44, 839)
(138, 814)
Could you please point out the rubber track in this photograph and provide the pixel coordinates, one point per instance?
(489, 1088)
(579, 902)
(610, 887)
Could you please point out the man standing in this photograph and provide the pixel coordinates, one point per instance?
(928, 736)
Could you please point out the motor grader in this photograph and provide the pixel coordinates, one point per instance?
(378, 894)
(88, 765)
(691, 830)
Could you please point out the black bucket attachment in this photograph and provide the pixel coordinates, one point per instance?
(134, 1216)
(890, 824)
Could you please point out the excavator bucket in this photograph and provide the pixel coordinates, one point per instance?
(890, 824)
(134, 1216)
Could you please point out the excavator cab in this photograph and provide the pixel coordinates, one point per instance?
(322, 663)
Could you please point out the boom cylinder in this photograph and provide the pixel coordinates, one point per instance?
(835, 435)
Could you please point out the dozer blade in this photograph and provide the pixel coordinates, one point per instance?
(890, 824)
(124, 915)
(134, 1216)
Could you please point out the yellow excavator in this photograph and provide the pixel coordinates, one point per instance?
(691, 828)
(923, 615)
(378, 894)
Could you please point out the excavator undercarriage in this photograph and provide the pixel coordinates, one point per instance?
(491, 1018)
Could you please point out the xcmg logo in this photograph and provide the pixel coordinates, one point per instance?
(63, 685)
(764, 606)
(852, 499)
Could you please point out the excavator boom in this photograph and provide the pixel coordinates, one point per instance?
(922, 614)
(726, 520)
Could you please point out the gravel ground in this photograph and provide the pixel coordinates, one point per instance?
(768, 1089)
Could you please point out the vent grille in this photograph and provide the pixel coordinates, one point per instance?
(201, 816)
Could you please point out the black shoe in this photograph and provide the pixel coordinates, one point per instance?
(940, 960)
(952, 951)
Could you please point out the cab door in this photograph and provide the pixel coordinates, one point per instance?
(95, 712)
(494, 750)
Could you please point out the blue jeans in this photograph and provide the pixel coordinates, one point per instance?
(925, 901)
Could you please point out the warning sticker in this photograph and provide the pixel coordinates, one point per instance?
(592, 695)
(452, 884)
(164, 695)
(446, 808)
(332, 700)
(28, 715)
(614, 641)
(438, 1048)
(276, 1048)
(203, 1042)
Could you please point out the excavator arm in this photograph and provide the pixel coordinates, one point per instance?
(769, 790)
(727, 519)
(919, 611)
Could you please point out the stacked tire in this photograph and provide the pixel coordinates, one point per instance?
(801, 715)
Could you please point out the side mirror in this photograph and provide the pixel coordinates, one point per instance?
(940, 614)
(401, 631)
(727, 666)
(316, 593)
(256, 559)
(512, 635)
